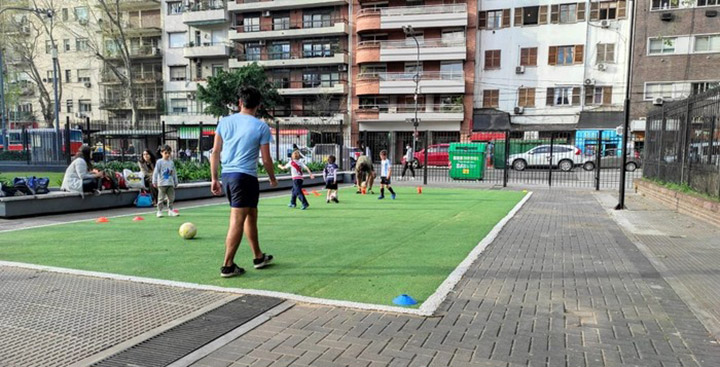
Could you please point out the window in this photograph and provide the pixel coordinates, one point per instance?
(707, 43)
(491, 98)
(659, 90)
(48, 46)
(526, 97)
(453, 36)
(251, 24)
(84, 105)
(702, 87)
(319, 48)
(665, 4)
(68, 76)
(66, 45)
(708, 2)
(528, 56)
(176, 40)
(317, 20)
(563, 96)
(178, 105)
(565, 55)
(50, 77)
(281, 22)
(325, 79)
(82, 44)
(492, 59)
(413, 67)
(659, 46)
(279, 51)
(69, 105)
(564, 13)
(83, 75)
(608, 10)
(81, 14)
(598, 95)
(65, 15)
(451, 69)
(605, 53)
(178, 73)
(216, 69)
(494, 19)
(529, 15)
(374, 69)
(253, 51)
(174, 7)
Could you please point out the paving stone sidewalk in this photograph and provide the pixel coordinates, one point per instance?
(561, 286)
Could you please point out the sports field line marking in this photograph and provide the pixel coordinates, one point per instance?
(427, 308)
(432, 303)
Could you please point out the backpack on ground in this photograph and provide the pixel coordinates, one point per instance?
(143, 200)
(39, 185)
(21, 185)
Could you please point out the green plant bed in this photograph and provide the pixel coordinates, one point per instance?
(683, 188)
(363, 249)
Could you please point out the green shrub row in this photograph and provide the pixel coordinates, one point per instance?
(13, 156)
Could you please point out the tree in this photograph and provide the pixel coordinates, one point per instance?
(25, 47)
(222, 91)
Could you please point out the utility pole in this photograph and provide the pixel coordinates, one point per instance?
(626, 123)
(2, 103)
(409, 31)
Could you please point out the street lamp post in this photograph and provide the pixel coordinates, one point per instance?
(409, 31)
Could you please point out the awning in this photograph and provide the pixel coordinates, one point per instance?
(543, 127)
(595, 120)
(490, 119)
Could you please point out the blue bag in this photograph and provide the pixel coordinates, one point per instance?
(143, 200)
(22, 185)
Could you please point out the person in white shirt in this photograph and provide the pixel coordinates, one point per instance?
(409, 157)
(385, 174)
(296, 167)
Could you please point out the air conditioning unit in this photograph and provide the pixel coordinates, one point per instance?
(342, 67)
(520, 69)
(87, 85)
(667, 17)
(659, 101)
(604, 23)
(191, 96)
(601, 67)
(589, 81)
(519, 110)
(266, 13)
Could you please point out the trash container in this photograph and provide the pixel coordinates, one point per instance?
(467, 161)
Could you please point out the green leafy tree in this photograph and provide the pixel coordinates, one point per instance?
(221, 92)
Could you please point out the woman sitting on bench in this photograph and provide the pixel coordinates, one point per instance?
(79, 176)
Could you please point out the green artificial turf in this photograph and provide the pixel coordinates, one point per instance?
(363, 249)
(55, 177)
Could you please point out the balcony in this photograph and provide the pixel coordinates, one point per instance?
(271, 5)
(108, 77)
(285, 59)
(302, 88)
(143, 103)
(439, 82)
(141, 52)
(450, 15)
(434, 49)
(134, 5)
(299, 29)
(206, 49)
(401, 113)
(310, 118)
(206, 13)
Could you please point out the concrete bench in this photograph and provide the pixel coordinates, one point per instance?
(57, 202)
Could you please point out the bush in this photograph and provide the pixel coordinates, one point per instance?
(13, 156)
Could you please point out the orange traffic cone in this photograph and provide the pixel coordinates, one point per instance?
(137, 219)
(316, 193)
(364, 191)
(419, 189)
(305, 192)
(102, 220)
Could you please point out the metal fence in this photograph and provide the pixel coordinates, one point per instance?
(683, 143)
(585, 159)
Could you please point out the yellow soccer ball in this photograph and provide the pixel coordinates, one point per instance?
(188, 231)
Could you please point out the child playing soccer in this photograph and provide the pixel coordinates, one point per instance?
(330, 178)
(385, 174)
(165, 179)
(296, 167)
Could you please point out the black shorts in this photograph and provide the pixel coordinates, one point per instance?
(242, 190)
(330, 185)
(384, 180)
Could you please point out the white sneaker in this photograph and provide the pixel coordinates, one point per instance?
(159, 214)
(173, 213)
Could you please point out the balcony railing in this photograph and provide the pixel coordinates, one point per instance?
(290, 25)
(304, 84)
(205, 5)
(267, 56)
(280, 112)
(417, 10)
(144, 76)
(410, 43)
(425, 75)
(410, 108)
(142, 51)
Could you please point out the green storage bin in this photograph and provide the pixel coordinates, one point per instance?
(467, 161)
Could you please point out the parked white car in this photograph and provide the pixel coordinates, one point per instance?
(565, 157)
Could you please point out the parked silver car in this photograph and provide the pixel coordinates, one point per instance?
(611, 159)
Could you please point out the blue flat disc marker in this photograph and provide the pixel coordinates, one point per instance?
(404, 300)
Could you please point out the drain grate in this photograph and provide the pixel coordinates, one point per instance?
(183, 339)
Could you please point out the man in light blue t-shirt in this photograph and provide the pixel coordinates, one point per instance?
(239, 139)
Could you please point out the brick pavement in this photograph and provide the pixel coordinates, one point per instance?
(560, 286)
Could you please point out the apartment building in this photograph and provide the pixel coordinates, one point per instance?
(553, 65)
(303, 45)
(195, 46)
(441, 35)
(676, 54)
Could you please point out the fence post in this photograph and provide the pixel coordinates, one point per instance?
(87, 129)
(68, 153)
(277, 140)
(428, 139)
(506, 169)
(199, 148)
(162, 128)
(685, 141)
(26, 145)
(598, 152)
(550, 162)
